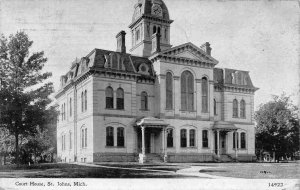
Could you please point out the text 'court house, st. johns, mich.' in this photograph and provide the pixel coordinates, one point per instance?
(154, 102)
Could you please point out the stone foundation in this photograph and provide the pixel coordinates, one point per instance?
(179, 157)
(115, 157)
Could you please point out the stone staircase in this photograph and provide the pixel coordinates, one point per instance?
(154, 158)
(224, 158)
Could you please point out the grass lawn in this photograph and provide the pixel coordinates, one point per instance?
(254, 170)
(77, 171)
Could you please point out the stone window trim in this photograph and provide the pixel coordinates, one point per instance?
(205, 94)
(113, 132)
(169, 91)
(188, 130)
(83, 137)
(235, 108)
(144, 101)
(187, 94)
(207, 137)
(243, 109)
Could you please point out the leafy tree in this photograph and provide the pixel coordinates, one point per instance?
(277, 127)
(24, 92)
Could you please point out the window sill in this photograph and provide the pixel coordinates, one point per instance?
(193, 111)
(115, 147)
(205, 148)
(190, 147)
(144, 110)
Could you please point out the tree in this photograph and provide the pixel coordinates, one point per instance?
(277, 127)
(22, 104)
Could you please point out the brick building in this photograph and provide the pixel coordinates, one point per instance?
(155, 101)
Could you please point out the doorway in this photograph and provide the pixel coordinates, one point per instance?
(223, 143)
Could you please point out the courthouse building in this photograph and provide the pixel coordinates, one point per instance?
(155, 102)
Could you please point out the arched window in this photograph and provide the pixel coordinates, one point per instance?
(85, 100)
(64, 111)
(243, 140)
(120, 136)
(70, 143)
(187, 91)
(192, 137)
(82, 99)
(144, 101)
(215, 107)
(169, 91)
(85, 137)
(70, 107)
(204, 95)
(109, 93)
(154, 29)
(82, 138)
(120, 99)
(109, 136)
(235, 108)
(205, 139)
(137, 35)
(243, 109)
(183, 138)
(166, 33)
(169, 137)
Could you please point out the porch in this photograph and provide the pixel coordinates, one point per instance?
(151, 139)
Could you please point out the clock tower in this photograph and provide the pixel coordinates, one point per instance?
(151, 17)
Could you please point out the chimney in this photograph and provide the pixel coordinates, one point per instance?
(156, 43)
(206, 47)
(121, 47)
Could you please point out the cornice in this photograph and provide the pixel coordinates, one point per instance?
(149, 17)
(182, 61)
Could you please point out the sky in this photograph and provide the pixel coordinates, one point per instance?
(261, 37)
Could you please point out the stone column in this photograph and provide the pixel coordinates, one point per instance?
(164, 144)
(218, 143)
(235, 139)
(143, 140)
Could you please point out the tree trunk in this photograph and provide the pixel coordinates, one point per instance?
(17, 148)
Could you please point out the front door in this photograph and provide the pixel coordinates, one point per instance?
(222, 143)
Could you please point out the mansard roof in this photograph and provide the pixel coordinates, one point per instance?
(108, 61)
(187, 52)
(233, 78)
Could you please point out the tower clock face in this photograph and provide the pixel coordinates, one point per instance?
(156, 10)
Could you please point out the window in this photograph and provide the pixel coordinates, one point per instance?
(243, 109)
(64, 111)
(169, 91)
(187, 91)
(82, 100)
(85, 137)
(243, 140)
(154, 29)
(109, 93)
(138, 35)
(144, 101)
(235, 134)
(192, 137)
(158, 30)
(204, 95)
(215, 107)
(63, 142)
(235, 108)
(120, 99)
(70, 145)
(70, 107)
(82, 138)
(183, 138)
(166, 33)
(120, 136)
(85, 100)
(109, 136)
(169, 137)
(205, 138)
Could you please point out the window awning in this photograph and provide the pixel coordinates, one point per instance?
(224, 126)
(151, 122)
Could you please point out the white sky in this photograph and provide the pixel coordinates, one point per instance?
(258, 36)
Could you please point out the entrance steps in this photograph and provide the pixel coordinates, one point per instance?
(224, 158)
(154, 158)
